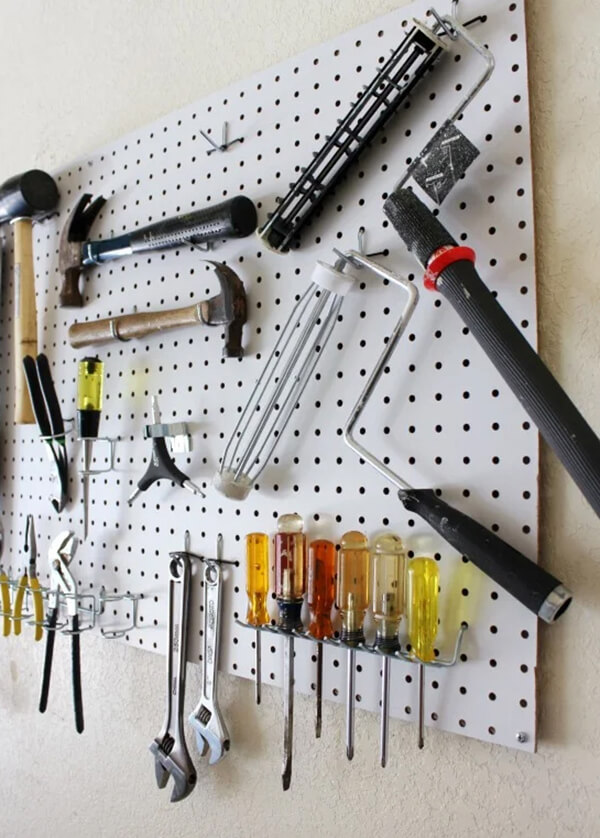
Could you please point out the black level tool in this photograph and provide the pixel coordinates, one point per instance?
(48, 415)
(451, 270)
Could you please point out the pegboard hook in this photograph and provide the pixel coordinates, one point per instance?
(225, 143)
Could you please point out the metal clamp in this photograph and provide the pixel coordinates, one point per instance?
(407, 656)
(112, 441)
(177, 434)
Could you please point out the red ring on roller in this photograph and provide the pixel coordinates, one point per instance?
(441, 259)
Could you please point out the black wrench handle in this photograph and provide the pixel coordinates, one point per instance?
(530, 584)
(76, 674)
(52, 617)
(560, 423)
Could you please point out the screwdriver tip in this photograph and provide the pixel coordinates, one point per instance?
(350, 752)
(383, 762)
(421, 744)
(286, 780)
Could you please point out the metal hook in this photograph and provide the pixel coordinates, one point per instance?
(225, 143)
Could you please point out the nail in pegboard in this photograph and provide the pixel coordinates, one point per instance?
(442, 414)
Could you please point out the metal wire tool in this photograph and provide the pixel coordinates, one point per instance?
(161, 466)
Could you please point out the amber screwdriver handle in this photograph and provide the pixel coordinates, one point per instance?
(25, 329)
(128, 326)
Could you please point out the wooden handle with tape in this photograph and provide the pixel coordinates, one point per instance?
(128, 326)
(25, 328)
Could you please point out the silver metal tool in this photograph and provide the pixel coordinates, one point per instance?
(207, 721)
(283, 380)
(61, 553)
(170, 751)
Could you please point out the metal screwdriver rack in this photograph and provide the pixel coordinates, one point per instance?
(441, 413)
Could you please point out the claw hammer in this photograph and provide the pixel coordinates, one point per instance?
(31, 196)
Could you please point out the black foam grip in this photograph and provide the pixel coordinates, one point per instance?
(560, 423)
(76, 675)
(52, 617)
(530, 584)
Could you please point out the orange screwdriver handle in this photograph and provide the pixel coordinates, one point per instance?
(321, 587)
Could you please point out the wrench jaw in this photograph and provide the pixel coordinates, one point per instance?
(211, 735)
(181, 770)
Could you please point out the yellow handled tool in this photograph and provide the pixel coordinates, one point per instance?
(29, 581)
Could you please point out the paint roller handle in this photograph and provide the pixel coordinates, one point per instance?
(530, 584)
(451, 271)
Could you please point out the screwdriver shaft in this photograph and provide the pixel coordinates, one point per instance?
(350, 705)
(87, 463)
(319, 719)
(257, 667)
(421, 706)
(385, 711)
(288, 700)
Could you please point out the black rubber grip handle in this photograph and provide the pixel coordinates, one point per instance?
(560, 423)
(36, 396)
(76, 674)
(234, 218)
(51, 619)
(530, 584)
(50, 397)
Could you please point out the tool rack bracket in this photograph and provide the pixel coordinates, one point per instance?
(442, 414)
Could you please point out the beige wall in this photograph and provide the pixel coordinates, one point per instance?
(75, 76)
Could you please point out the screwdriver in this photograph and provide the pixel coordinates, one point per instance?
(352, 595)
(422, 604)
(257, 588)
(388, 606)
(290, 567)
(89, 405)
(320, 597)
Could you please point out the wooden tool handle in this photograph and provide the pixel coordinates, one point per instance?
(128, 326)
(25, 329)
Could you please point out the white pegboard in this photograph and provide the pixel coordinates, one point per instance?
(441, 414)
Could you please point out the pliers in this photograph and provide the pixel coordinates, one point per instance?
(46, 409)
(60, 556)
(30, 581)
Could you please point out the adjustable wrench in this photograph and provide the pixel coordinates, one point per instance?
(170, 751)
(211, 731)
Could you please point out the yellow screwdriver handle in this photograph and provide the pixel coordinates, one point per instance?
(18, 609)
(6, 612)
(422, 584)
(38, 607)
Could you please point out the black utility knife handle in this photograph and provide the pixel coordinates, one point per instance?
(530, 584)
(234, 218)
(560, 423)
(51, 618)
(76, 674)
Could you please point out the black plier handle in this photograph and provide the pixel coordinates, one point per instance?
(46, 409)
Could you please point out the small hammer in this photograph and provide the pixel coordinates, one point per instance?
(227, 309)
(31, 196)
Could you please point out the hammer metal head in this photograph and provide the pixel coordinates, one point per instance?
(73, 235)
(229, 309)
(33, 194)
